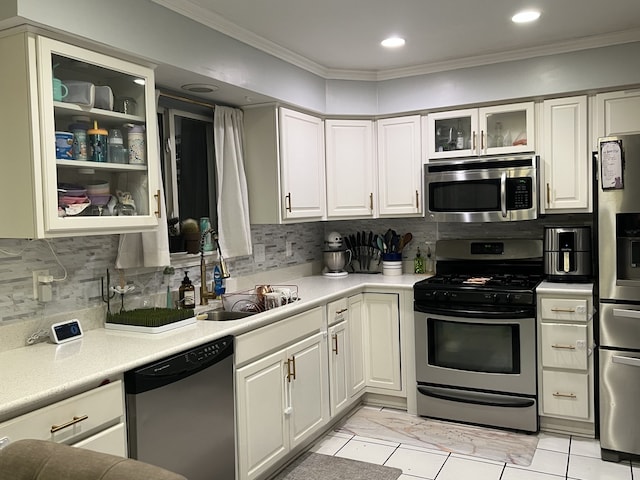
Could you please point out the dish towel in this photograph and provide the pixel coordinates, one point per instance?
(234, 229)
(147, 249)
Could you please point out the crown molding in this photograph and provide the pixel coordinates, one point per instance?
(216, 22)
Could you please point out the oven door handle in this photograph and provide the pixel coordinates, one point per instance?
(476, 398)
(503, 194)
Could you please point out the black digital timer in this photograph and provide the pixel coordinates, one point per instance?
(66, 331)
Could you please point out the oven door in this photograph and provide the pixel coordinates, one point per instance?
(481, 191)
(488, 354)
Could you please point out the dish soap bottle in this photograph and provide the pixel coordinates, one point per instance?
(418, 263)
(218, 282)
(187, 293)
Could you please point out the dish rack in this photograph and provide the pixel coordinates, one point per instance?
(252, 300)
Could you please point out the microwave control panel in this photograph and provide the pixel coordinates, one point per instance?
(519, 193)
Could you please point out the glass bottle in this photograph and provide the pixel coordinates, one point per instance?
(459, 138)
(187, 293)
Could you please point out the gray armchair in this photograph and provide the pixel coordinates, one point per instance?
(43, 460)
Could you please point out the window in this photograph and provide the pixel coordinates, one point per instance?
(188, 167)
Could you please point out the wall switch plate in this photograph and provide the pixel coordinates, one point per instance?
(259, 253)
(36, 274)
(289, 249)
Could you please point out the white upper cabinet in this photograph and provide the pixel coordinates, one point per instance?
(494, 130)
(399, 166)
(565, 163)
(56, 190)
(350, 163)
(618, 113)
(284, 162)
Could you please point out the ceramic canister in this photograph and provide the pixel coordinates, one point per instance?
(97, 143)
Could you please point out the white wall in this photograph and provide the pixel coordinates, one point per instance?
(152, 32)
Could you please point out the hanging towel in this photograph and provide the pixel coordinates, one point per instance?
(147, 249)
(234, 230)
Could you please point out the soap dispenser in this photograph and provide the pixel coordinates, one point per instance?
(418, 263)
(187, 293)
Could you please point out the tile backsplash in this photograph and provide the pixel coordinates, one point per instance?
(79, 263)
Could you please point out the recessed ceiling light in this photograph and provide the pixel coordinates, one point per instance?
(200, 88)
(525, 16)
(139, 81)
(392, 42)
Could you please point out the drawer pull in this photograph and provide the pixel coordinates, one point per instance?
(338, 312)
(564, 310)
(56, 428)
(564, 347)
(564, 395)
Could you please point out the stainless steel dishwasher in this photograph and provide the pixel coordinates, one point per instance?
(180, 412)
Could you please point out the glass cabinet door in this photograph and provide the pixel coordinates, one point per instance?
(453, 134)
(98, 142)
(507, 128)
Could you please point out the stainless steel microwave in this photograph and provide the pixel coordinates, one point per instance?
(499, 189)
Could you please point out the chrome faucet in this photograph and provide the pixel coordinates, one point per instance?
(206, 294)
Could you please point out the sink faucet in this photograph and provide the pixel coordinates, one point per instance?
(205, 294)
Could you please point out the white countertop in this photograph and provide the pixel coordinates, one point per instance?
(34, 376)
(565, 288)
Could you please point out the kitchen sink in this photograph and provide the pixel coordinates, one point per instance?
(223, 315)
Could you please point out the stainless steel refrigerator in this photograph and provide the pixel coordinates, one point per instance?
(618, 199)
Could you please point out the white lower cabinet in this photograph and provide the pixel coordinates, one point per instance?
(281, 398)
(565, 352)
(355, 326)
(93, 420)
(338, 368)
(381, 334)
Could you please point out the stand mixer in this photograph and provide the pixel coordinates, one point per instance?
(335, 256)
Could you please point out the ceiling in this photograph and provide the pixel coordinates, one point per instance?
(341, 39)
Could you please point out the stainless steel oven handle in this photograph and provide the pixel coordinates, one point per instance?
(621, 312)
(503, 194)
(631, 361)
(476, 398)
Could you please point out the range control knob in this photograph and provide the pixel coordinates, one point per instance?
(508, 298)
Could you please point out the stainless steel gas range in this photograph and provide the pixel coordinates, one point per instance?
(475, 324)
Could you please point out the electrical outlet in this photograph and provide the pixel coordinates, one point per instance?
(258, 253)
(289, 249)
(36, 274)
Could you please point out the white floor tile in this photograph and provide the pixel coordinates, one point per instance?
(546, 461)
(554, 442)
(417, 463)
(335, 433)
(477, 459)
(366, 452)
(512, 473)
(587, 447)
(329, 445)
(462, 468)
(376, 440)
(589, 468)
(408, 446)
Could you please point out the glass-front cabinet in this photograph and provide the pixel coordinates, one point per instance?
(92, 140)
(494, 130)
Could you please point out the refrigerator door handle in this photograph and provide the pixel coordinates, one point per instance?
(631, 361)
(621, 312)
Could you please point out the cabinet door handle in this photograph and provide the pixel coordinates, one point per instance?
(371, 201)
(287, 202)
(334, 337)
(473, 136)
(548, 194)
(482, 140)
(563, 347)
(158, 212)
(564, 395)
(417, 200)
(291, 372)
(564, 310)
(57, 428)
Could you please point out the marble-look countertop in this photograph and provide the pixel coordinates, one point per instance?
(37, 375)
(565, 288)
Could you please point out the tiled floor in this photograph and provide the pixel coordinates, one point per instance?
(557, 457)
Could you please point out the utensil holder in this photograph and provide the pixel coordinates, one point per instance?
(392, 263)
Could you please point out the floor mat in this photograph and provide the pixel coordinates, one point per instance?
(489, 443)
(315, 466)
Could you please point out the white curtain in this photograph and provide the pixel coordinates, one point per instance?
(147, 249)
(234, 230)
